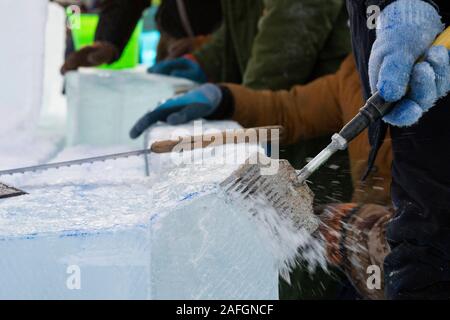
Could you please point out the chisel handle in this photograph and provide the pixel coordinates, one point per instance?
(263, 134)
(376, 108)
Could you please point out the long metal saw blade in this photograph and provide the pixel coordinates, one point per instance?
(77, 162)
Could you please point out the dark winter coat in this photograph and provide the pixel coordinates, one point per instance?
(277, 44)
(419, 235)
(118, 19)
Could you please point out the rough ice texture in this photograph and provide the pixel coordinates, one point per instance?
(171, 235)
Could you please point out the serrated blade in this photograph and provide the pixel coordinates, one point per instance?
(77, 162)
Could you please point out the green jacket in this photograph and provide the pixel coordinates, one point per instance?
(225, 57)
(275, 44)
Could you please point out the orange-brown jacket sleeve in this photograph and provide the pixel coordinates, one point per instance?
(305, 111)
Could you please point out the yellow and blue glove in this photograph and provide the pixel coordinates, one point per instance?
(184, 67)
(406, 29)
(199, 103)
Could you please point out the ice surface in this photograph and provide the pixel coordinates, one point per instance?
(21, 63)
(103, 105)
(171, 235)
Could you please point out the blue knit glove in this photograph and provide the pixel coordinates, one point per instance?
(406, 29)
(196, 104)
(181, 68)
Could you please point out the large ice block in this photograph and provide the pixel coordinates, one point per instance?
(219, 239)
(22, 28)
(103, 105)
(106, 231)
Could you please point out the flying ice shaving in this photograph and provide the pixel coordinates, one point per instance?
(291, 246)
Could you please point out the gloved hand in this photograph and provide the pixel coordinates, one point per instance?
(91, 56)
(198, 103)
(406, 29)
(354, 238)
(182, 67)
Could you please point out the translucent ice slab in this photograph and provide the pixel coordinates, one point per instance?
(103, 105)
(105, 231)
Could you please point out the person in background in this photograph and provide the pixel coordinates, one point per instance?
(186, 25)
(86, 6)
(269, 44)
(118, 19)
(183, 24)
(418, 266)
